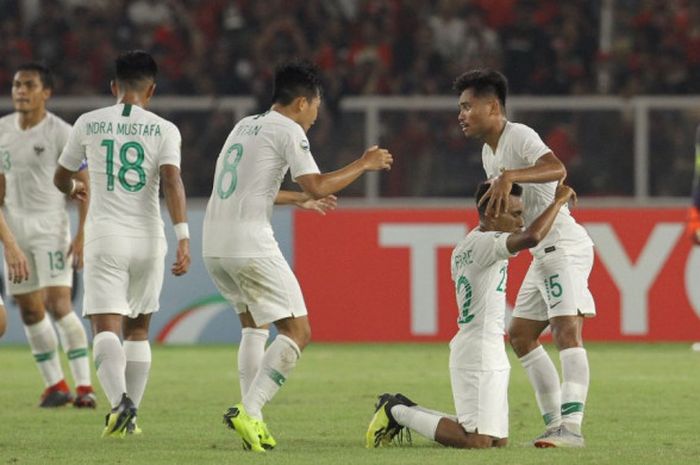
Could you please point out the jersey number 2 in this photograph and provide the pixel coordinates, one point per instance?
(127, 165)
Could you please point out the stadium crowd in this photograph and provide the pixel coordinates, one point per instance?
(375, 47)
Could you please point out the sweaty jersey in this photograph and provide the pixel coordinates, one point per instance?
(125, 146)
(28, 159)
(520, 147)
(249, 171)
(480, 272)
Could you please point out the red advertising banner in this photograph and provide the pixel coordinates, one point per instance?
(384, 274)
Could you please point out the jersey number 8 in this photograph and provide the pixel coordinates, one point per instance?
(229, 167)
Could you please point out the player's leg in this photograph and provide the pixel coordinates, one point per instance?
(137, 350)
(73, 340)
(529, 320)
(43, 343)
(3, 319)
(251, 350)
(569, 300)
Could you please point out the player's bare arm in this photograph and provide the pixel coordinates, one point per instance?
(174, 193)
(2, 189)
(76, 247)
(324, 184)
(64, 180)
(538, 230)
(17, 268)
(306, 202)
(547, 168)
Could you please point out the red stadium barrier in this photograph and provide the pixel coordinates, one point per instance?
(384, 274)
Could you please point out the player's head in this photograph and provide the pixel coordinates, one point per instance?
(31, 87)
(135, 71)
(482, 100)
(509, 221)
(297, 87)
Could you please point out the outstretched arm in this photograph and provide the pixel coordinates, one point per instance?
(305, 202)
(325, 184)
(174, 193)
(539, 228)
(547, 168)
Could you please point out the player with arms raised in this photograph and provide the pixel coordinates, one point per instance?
(129, 151)
(239, 247)
(555, 290)
(31, 141)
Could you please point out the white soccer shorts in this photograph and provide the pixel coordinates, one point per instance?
(44, 240)
(265, 286)
(481, 400)
(556, 284)
(123, 275)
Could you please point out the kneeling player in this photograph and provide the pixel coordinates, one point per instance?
(479, 367)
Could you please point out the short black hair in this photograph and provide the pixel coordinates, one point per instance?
(294, 79)
(516, 190)
(483, 82)
(135, 66)
(43, 71)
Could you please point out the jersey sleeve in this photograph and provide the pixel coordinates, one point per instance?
(73, 152)
(62, 134)
(170, 149)
(696, 178)
(297, 152)
(490, 248)
(530, 144)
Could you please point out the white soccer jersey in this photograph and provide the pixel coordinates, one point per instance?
(249, 171)
(28, 159)
(125, 146)
(480, 272)
(519, 147)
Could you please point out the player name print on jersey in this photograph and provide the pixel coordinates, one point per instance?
(122, 129)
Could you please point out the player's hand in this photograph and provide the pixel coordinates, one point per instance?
(321, 206)
(564, 194)
(79, 191)
(497, 195)
(183, 259)
(692, 228)
(76, 251)
(17, 267)
(376, 159)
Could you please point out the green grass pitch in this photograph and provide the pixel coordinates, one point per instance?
(643, 409)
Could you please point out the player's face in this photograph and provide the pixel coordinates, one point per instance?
(474, 114)
(512, 220)
(28, 92)
(310, 112)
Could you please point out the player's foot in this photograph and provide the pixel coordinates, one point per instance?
(383, 428)
(266, 439)
(118, 419)
(541, 440)
(57, 395)
(132, 427)
(247, 427)
(562, 438)
(85, 397)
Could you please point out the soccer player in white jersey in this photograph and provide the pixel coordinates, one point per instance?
(129, 152)
(479, 367)
(555, 289)
(239, 248)
(31, 139)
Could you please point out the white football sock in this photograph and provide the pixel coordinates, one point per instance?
(277, 363)
(74, 342)
(574, 388)
(421, 422)
(138, 366)
(110, 363)
(250, 354)
(545, 381)
(44, 344)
